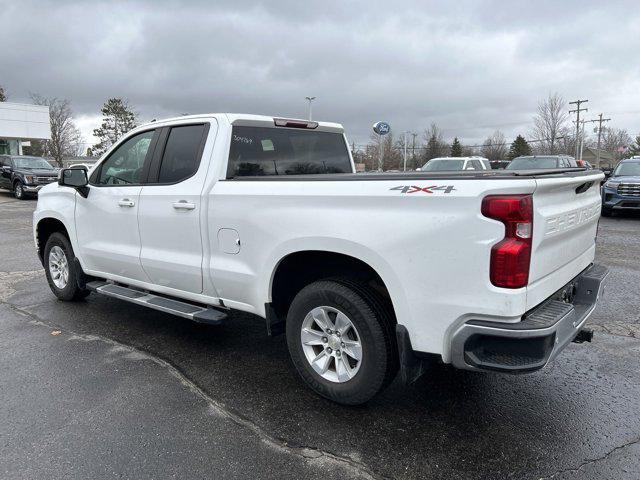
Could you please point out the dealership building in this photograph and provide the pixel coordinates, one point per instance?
(21, 123)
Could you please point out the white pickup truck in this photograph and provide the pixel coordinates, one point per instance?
(367, 274)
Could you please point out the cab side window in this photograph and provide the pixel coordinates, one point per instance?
(181, 157)
(473, 165)
(124, 165)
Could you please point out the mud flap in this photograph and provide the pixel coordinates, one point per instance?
(412, 367)
(275, 325)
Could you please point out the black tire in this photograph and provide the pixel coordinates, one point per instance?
(71, 291)
(18, 190)
(379, 352)
(607, 212)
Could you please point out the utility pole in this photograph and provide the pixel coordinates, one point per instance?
(413, 149)
(600, 121)
(310, 99)
(577, 111)
(582, 138)
(404, 168)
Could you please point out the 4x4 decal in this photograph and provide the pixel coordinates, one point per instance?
(431, 189)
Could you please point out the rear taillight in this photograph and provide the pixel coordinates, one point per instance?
(510, 257)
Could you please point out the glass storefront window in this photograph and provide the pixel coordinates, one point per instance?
(8, 147)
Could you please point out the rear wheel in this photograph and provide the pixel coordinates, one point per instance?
(339, 341)
(61, 270)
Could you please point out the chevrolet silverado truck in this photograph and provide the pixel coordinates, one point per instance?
(25, 175)
(367, 275)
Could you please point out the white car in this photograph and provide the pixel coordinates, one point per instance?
(448, 164)
(366, 274)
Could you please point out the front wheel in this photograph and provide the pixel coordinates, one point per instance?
(61, 270)
(18, 190)
(340, 341)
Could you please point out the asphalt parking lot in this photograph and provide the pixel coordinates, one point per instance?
(104, 389)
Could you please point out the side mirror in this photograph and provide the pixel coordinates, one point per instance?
(75, 178)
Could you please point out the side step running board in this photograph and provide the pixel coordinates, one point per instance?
(193, 312)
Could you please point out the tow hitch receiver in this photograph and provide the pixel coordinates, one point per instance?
(584, 335)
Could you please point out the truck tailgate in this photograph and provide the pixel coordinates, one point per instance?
(566, 213)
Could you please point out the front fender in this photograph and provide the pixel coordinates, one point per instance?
(57, 203)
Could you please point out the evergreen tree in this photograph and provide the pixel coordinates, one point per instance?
(519, 148)
(117, 119)
(456, 148)
(3, 95)
(635, 148)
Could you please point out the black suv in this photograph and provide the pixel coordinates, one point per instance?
(25, 175)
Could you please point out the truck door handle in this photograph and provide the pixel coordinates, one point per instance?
(184, 205)
(125, 202)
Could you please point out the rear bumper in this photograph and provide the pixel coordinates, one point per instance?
(538, 338)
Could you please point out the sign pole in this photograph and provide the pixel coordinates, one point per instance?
(381, 129)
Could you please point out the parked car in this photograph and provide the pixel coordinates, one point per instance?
(622, 190)
(499, 164)
(448, 164)
(198, 215)
(542, 161)
(24, 175)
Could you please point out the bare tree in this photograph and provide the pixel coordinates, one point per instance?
(391, 156)
(615, 141)
(3, 94)
(435, 146)
(66, 139)
(550, 123)
(495, 147)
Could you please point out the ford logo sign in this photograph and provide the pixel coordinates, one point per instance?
(381, 128)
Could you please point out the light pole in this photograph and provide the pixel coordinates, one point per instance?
(310, 99)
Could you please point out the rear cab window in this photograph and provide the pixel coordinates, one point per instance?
(262, 151)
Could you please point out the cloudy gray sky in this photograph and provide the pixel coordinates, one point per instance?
(471, 66)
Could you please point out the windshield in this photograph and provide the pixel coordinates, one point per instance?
(32, 163)
(442, 165)
(530, 163)
(631, 169)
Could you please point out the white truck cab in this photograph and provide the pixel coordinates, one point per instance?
(366, 274)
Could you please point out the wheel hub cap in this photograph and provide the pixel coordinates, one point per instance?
(58, 267)
(331, 344)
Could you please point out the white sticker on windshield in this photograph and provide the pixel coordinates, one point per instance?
(238, 138)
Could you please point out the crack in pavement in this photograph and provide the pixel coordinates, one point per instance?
(591, 461)
(8, 279)
(621, 329)
(310, 454)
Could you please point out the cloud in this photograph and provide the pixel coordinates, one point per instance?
(471, 67)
